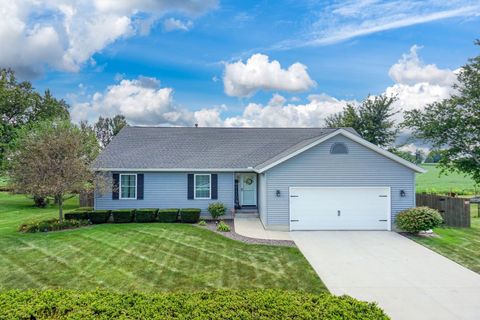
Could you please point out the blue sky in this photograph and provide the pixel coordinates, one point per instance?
(169, 60)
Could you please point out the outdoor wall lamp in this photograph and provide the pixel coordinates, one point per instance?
(278, 193)
(402, 193)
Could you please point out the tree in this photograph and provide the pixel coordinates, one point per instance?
(453, 125)
(20, 105)
(416, 157)
(433, 156)
(107, 128)
(371, 119)
(52, 160)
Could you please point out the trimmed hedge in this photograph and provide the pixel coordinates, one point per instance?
(77, 215)
(122, 216)
(418, 219)
(145, 215)
(167, 215)
(223, 304)
(190, 215)
(51, 225)
(99, 216)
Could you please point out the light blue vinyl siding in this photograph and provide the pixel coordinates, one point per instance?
(169, 190)
(262, 197)
(316, 167)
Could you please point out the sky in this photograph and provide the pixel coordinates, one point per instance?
(237, 63)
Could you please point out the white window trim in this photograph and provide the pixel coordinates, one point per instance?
(120, 186)
(195, 186)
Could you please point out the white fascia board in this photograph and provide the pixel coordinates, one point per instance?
(353, 137)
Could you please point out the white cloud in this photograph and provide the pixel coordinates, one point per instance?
(344, 20)
(410, 70)
(142, 101)
(418, 84)
(277, 100)
(258, 73)
(172, 24)
(64, 34)
(311, 114)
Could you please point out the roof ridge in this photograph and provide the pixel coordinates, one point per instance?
(184, 127)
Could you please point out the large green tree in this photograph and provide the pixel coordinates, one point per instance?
(21, 105)
(372, 119)
(52, 159)
(453, 125)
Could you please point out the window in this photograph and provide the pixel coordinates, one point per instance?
(128, 186)
(339, 148)
(202, 186)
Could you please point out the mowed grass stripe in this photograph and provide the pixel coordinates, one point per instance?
(144, 257)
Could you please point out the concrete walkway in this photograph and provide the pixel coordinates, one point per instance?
(407, 280)
(253, 228)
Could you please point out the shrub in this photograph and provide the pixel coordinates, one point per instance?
(51, 225)
(190, 215)
(122, 216)
(77, 215)
(222, 226)
(202, 223)
(217, 209)
(63, 304)
(418, 219)
(167, 215)
(40, 202)
(84, 209)
(99, 216)
(145, 215)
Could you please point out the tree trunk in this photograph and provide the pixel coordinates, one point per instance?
(60, 208)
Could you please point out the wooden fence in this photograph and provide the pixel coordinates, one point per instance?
(86, 199)
(455, 211)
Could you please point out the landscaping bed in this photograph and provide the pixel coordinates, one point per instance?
(212, 225)
(223, 304)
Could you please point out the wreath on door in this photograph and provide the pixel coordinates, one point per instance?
(248, 181)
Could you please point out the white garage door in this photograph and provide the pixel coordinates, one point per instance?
(339, 208)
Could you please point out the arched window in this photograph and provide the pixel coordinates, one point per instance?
(339, 148)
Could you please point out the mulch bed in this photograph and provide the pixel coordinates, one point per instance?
(212, 225)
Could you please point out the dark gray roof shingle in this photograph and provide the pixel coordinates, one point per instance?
(203, 148)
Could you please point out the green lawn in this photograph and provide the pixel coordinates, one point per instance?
(458, 244)
(432, 181)
(144, 257)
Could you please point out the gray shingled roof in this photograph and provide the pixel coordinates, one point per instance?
(203, 148)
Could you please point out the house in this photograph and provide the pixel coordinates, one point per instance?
(297, 178)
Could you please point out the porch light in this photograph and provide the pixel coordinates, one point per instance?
(278, 193)
(402, 193)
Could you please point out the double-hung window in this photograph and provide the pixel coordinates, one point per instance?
(202, 186)
(128, 186)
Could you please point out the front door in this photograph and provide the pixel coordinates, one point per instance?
(248, 189)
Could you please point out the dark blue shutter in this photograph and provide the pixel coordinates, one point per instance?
(190, 186)
(214, 186)
(115, 178)
(140, 186)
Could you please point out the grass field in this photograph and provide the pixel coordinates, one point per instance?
(144, 257)
(458, 244)
(433, 182)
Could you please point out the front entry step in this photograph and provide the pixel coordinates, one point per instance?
(247, 213)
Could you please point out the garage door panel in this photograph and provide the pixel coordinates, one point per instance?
(339, 208)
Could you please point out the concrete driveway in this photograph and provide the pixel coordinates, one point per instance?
(407, 280)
